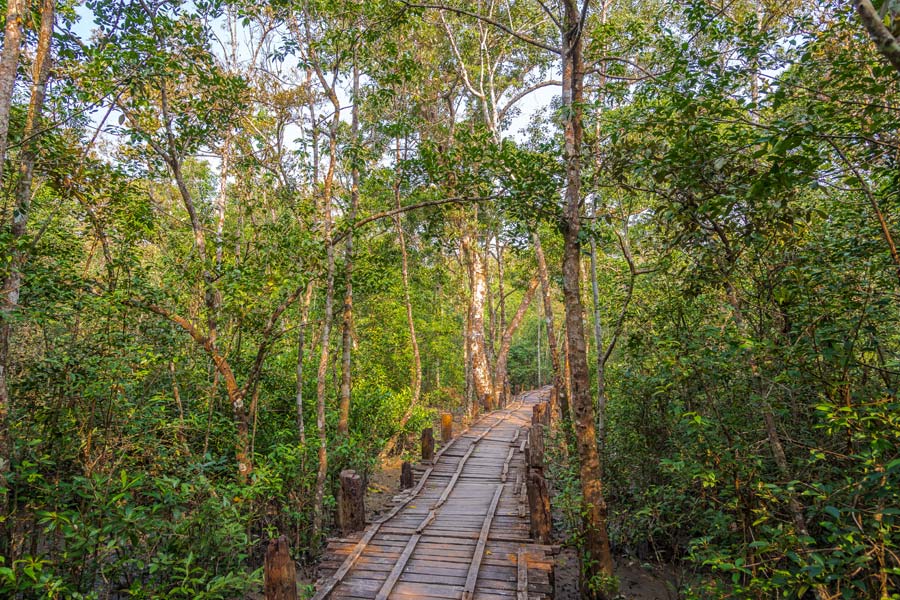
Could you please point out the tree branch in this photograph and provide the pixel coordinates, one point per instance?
(489, 21)
(884, 40)
(403, 209)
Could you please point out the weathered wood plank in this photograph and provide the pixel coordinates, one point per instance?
(522, 575)
(472, 576)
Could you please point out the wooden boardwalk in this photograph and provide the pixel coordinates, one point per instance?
(462, 532)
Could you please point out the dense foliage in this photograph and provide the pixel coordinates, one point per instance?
(246, 246)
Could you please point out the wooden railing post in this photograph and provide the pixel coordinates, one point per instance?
(446, 428)
(539, 504)
(538, 494)
(406, 475)
(427, 444)
(279, 571)
(351, 502)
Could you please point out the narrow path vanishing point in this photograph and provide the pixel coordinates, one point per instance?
(462, 532)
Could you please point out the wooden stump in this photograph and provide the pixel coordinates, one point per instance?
(280, 572)
(351, 502)
(428, 444)
(446, 428)
(540, 414)
(406, 476)
(539, 506)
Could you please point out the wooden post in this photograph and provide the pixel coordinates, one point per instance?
(446, 428)
(406, 475)
(351, 502)
(535, 453)
(279, 571)
(538, 495)
(540, 414)
(539, 505)
(428, 444)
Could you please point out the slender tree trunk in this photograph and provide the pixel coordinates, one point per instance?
(9, 63)
(347, 324)
(12, 281)
(506, 341)
(596, 539)
(598, 342)
(416, 374)
(559, 377)
(481, 375)
(322, 374)
(301, 345)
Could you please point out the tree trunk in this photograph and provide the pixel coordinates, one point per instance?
(596, 539)
(884, 40)
(559, 378)
(506, 341)
(12, 282)
(301, 343)
(598, 342)
(9, 63)
(322, 373)
(416, 375)
(481, 375)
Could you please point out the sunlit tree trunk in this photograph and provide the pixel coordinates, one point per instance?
(596, 539)
(506, 342)
(347, 322)
(481, 374)
(13, 279)
(559, 377)
(9, 62)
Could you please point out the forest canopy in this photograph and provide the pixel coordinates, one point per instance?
(246, 246)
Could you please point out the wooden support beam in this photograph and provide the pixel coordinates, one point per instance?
(505, 473)
(539, 506)
(427, 444)
(329, 584)
(472, 576)
(351, 502)
(406, 475)
(536, 446)
(279, 571)
(395, 573)
(521, 574)
(523, 498)
(446, 428)
(515, 437)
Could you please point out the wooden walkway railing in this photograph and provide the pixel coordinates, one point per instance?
(463, 530)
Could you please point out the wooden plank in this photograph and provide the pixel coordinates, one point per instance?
(505, 472)
(395, 573)
(522, 575)
(351, 559)
(472, 577)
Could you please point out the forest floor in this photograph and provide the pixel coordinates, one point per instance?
(637, 581)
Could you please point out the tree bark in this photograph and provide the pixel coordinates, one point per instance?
(416, 374)
(884, 40)
(301, 344)
(12, 281)
(596, 539)
(343, 428)
(9, 63)
(559, 378)
(481, 375)
(506, 341)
